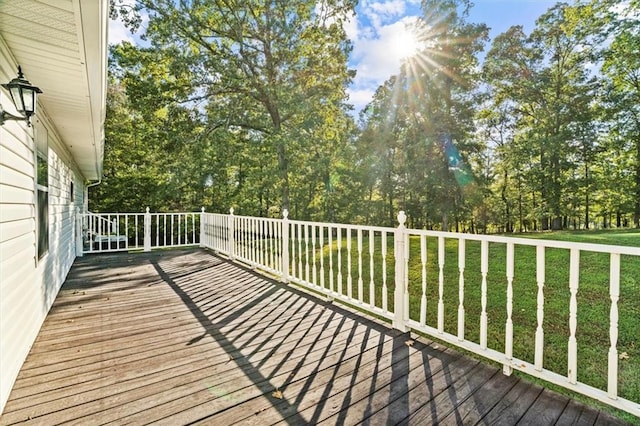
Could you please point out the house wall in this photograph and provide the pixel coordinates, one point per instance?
(29, 285)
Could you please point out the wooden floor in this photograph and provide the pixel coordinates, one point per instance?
(182, 337)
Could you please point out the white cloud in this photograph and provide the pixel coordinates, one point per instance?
(377, 58)
(119, 33)
(359, 98)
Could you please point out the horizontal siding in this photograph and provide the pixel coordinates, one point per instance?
(11, 212)
(29, 287)
(13, 195)
(12, 250)
(18, 228)
(15, 178)
(9, 159)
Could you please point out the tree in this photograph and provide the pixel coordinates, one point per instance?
(546, 77)
(419, 126)
(263, 67)
(622, 69)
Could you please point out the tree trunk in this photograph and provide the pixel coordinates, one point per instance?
(586, 197)
(636, 207)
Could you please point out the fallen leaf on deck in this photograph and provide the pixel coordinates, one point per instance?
(623, 355)
(277, 394)
(409, 342)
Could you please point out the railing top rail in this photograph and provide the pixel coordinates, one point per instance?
(600, 248)
(344, 225)
(103, 214)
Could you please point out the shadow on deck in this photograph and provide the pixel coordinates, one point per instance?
(180, 337)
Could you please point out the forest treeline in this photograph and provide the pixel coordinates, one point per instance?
(245, 105)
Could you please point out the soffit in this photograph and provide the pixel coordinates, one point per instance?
(62, 48)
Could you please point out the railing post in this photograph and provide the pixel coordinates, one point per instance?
(231, 237)
(202, 227)
(79, 236)
(400, 274)
(285, 246)
(147, 231)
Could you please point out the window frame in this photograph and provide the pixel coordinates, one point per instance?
(41, 156)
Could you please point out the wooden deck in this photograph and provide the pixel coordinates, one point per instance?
(180, 337)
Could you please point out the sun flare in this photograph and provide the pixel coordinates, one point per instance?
(406, 44)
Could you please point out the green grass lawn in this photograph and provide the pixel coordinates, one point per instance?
(593, 298)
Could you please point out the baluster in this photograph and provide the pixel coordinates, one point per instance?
(306, 252)
(240, 239)
(272, 254)
(508, 339)
(248, 244)
(441, 284)
(339, 241)
(321, 232)
(265, 242)
(330, 245)
(372, 292)
(256, 241)
(574, 270)
(484, 269)
(405, 285)
(614, 294)
(461, 265)
(360, 283)
(269, 244)
(241, 236)
(247, 239)
(300, 270)
(251, 241)
(137, 235)
(279, 246)
(261, 242)
(292, 237)
(385, 300)
(126, 230)
(540, 278)
(349, 276)
(423, 262)
(313, 247)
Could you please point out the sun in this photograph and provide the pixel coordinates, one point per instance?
(405, 44)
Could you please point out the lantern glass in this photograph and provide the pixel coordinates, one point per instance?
(28, 99)
(16, 97)
(23, 94)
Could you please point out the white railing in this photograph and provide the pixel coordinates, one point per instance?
(360, 265)
(111, 232)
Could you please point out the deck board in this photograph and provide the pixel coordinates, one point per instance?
(183, 336)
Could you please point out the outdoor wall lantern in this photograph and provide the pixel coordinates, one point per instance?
(23, 95)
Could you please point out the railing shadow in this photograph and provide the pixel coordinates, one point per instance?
(304, 351)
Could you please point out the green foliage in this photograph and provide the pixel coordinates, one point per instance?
(243, 104)
(233, 97)
(418, 134)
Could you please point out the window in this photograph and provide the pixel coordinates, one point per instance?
(42, 188)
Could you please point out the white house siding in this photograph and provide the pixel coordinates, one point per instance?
(28, 286)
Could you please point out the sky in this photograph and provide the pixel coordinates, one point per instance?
(380, 38)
